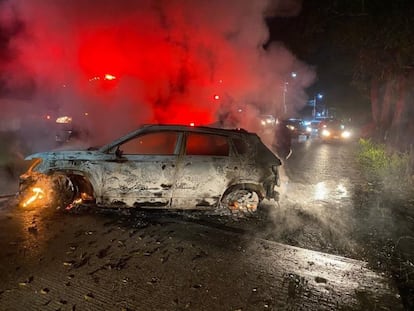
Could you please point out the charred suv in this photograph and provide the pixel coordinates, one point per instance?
(159, 166)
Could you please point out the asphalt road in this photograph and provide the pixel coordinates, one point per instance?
(305, 253)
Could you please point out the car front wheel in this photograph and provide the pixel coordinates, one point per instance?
(64, 191)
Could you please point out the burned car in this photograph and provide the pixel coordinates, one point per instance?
(159, 166)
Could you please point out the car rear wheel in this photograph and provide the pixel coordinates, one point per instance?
(241, 201)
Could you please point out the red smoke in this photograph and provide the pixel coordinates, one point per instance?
(170, 59)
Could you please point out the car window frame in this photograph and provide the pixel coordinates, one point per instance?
(177, 149)
(185, 139)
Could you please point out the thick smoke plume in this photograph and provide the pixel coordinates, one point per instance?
(174, 61)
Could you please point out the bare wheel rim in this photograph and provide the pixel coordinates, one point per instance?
(64, 191)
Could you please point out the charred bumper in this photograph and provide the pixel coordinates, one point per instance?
(271, 184)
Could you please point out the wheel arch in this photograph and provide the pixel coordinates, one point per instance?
(245, 186)
(83, 182)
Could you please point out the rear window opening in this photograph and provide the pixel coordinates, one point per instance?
(208, 145)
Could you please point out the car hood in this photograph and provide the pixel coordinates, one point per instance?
(68, 155)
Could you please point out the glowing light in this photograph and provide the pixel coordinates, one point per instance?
(326, 133)
(48, 117)
(38, 194)
(109, 77)
(346, 134)
(64, 119)
(192, 124)
(342, 190)
(216, 97)
(321, 191)
(86, 113)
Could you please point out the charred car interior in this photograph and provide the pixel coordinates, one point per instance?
(158, 166)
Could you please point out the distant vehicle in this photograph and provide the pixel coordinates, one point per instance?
(312, 126)
(268, 120)
(333, 129)
(297, 128)
(159, 166)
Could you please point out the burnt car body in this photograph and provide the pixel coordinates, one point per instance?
(162, 166)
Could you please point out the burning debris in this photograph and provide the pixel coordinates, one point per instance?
(38, 191)
(38, 195)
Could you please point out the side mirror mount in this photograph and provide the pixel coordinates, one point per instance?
(118, 152)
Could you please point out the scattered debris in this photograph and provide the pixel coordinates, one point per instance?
(27, 281)
(319, 279)
(88, 296)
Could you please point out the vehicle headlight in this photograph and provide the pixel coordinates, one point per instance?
(326, 133)
(290, 127)
(346, 134)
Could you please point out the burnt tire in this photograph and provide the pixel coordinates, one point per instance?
(64, 191)
(241, 202)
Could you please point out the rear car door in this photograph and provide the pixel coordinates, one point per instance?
(142, 171)
(206, 169)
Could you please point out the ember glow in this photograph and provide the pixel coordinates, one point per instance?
(132, 62)
(38, 194)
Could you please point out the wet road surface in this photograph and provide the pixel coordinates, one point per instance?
(290, 257)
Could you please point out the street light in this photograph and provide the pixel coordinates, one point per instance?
(317, 96)
(284, 97)
(293, 75)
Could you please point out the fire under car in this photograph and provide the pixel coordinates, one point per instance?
(158, 166)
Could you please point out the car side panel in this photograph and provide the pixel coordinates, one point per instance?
(201, 180)
(139, 181)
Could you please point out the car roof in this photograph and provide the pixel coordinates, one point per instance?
(189, 128)
(148, 128)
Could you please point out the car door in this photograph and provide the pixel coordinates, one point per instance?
(204, 172)
(141, 171)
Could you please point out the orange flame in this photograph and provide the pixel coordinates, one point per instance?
(38, 194)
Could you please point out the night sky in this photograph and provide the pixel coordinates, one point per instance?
(333, 81)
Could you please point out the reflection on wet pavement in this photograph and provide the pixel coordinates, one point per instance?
(30, 230)
(316, 209)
